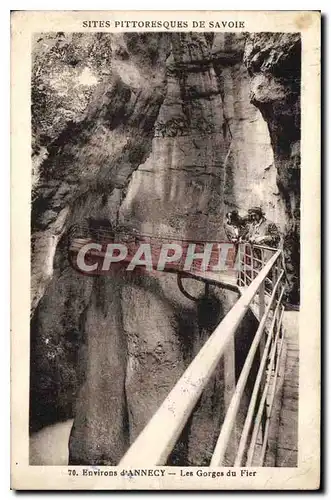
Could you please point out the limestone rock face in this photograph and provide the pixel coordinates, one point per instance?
(105, 139)
(179, 188)
(273, 61)
(177, 191)
(250, 172)
(164, 134)
(65, 71)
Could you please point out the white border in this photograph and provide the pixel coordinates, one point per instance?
(60, 4)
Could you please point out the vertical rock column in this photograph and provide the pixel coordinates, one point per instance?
(99, 148)
(274, 64)
(250, 172)
(177, 192)
(100, 431)
(90, 155)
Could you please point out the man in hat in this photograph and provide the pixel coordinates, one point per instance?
(236, 227)
(262, 231)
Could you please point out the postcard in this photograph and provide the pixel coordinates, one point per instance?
(165, 250)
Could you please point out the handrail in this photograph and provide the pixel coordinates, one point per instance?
(273, 393)
(152, 447)
(250, 412)
(231, 414)
(258, 418)
(264, 247)
(129, 231)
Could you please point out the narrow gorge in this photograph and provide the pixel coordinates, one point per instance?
(159, 133)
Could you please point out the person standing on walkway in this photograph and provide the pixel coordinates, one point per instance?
(265, 233)
(262, 231)
(236, 227)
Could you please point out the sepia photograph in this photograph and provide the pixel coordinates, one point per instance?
(167, 137)
(165, 335)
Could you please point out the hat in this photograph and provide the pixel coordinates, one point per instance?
(232, 215)
(255, 210)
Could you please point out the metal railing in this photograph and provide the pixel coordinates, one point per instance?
(260, 281)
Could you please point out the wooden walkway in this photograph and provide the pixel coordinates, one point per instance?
(283, 439)
(283, 442)
(287, 442)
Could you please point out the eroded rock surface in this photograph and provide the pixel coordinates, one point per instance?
(166, 137)
(274, 64)
(98, 150)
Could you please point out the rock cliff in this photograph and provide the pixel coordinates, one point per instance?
(162, 133)
(273, 61)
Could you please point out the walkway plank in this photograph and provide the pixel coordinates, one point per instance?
(287, 442)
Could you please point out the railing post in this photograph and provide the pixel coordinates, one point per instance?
(262, 348)
(274, 276)
(229, 372)
(279, 268)
(249, 265)
(230, 387)
(261, 299)
(239, 265)
(152, 447)
(245, 264)
(274, 281)
(252, 263)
